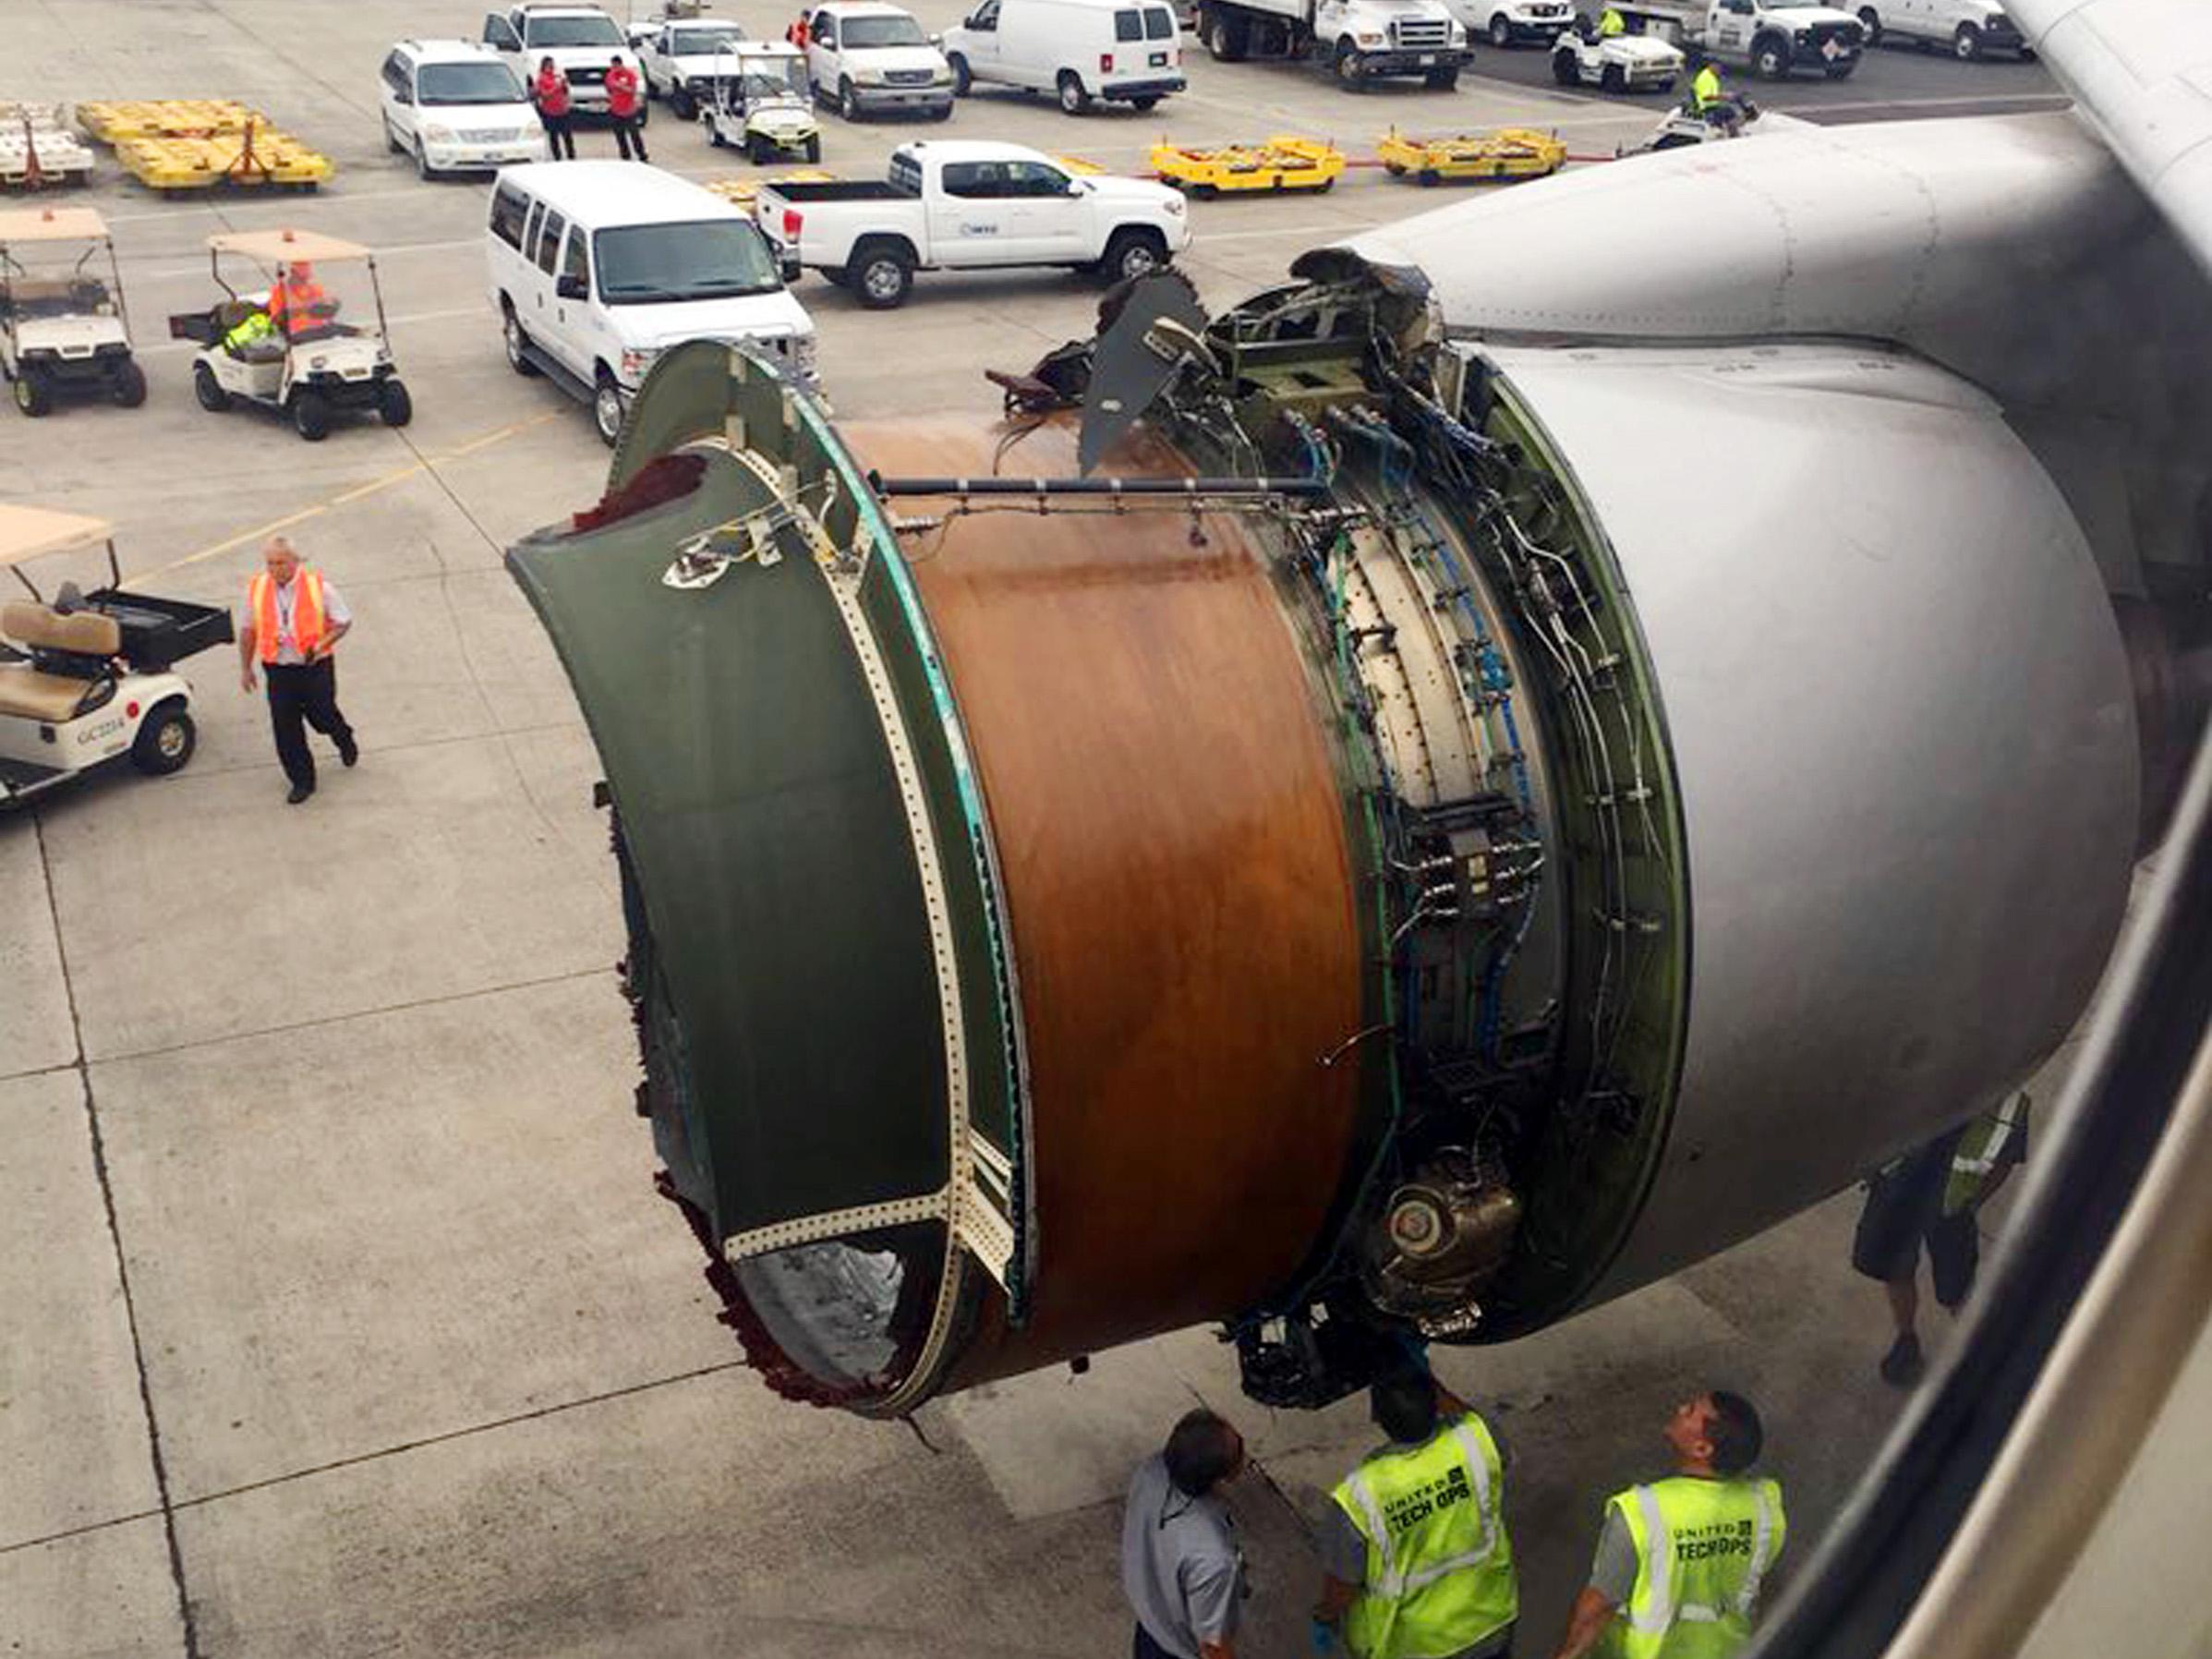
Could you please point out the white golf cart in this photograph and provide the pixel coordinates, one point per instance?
(763, 103)
(1682, 127)
(61, 311)
(307, 373)
(90, 678)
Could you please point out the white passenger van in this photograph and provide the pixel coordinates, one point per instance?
(597, 267)
(1123, 51)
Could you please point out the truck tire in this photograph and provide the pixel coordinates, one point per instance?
(606, 407)
(1145, 104)
(1966, 45)
(1565, 69)
(1770, 58)
(1442, 81)
(682, 104)
(1228, 39)
(1133, 251)
(33, 395)
(128, 387)
(882, 275)
(1074, 100)
(164, 744)
(1870, 21)
(516, 342)
(209, 390)
(1612, 79)
(1351, 74)
(848, 100)
(1501, 31)
(964, 81)
(311, 415)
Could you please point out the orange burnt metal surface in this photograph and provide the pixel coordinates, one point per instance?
(1170, 831)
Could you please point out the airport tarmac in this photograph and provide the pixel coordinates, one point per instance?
(342, 1316)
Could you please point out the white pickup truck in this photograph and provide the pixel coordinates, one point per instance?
(966, 205)
(1359, 40)
(677, 62)
(1773, 38)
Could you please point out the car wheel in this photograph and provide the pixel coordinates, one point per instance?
(757, 150)
(606, 408)
(1144, 104)
(1870, 21)
(423, 170)
(881, 277)
(517, 342)
(395, 403)
(941, 112)
(1771, 59)
(1228, 39)
(1442, 81)
(1612, 79)
(33, 395)
(311, 415)
(1350, 73)
(1131, 253)
(683, 105)
(209, 390)
(1074, 100)
(848, 100)
(814, 149)
(963, 82)
(1565, 70)
(1501, 31)
(128, 387)
(166, 741)
(1966, 45)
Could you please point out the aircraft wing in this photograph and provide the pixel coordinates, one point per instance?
(2142, 72)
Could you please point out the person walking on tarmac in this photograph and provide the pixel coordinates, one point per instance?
(1932, 1198)
(1415, 1561)
(1681, 1561)
(293, 620)
(549, 91)
(1181, 1566)
(626, 109)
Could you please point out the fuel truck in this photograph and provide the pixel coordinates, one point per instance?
(1416, 804)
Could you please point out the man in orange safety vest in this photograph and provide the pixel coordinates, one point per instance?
(294, 619)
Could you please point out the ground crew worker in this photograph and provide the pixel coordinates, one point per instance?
(250, 333)
(1706, 92)
(293, 300)
(796, 33)
(549, 91)
(294, 619)
(1181, 1566)
(625, 108)
(1931, 1199)
(1681, 1561)
(1610, 22)
(1415, 1557)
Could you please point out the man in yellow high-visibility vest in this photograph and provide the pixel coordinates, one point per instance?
(1681, 1561)
(1610, 22)
(1415, 1557)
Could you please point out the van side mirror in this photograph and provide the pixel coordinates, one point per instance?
(572, 286)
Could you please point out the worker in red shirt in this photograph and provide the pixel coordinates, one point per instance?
(626, 109)
(549, 91)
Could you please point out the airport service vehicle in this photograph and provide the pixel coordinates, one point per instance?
(677, 61)
(583, 41)
(972, 206)
(1971, 29)
(597, 267)
(762, 102)
(309, 375)
(62, 331)
(1617, 63)
(1773, 38)
(1514, 22)
(457, 105)
(869, 58)
(1679, 127)
(1359, 40)
(90, 678)
(1118, 51)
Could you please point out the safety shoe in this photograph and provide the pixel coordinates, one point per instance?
(300, 791)
(348, 752)
(1903, 1364)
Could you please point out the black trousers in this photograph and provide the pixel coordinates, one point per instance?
(303, 695)
(631, 130)
(559, 140)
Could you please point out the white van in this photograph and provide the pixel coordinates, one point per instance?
(597, 267)
(1126, 51)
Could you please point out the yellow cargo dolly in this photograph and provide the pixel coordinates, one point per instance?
(1080, 167)
(1284, 163)
(1508, 152)
(163, 119)
(257, 155)
(744, 189)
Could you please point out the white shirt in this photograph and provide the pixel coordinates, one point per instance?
(333, 609)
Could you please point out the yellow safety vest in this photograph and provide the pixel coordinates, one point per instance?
(1706, 88)
(1702, 1549)
(1610, 22)
(1439, 1564)
(255, 327)
(1978, 1153)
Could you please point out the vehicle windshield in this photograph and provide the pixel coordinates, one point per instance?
(1797, 5)
(698, 42)
(707, 258)
(773, 78)
(572, 32)
(467, 83)
(862, 32)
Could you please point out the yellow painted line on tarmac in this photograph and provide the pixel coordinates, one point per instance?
(399, 476)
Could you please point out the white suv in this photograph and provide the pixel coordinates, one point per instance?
(453, 104)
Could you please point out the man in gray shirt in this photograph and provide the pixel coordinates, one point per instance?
(1180, 1566)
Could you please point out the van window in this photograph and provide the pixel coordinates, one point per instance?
(548, 241)
(510, 207)
(575, 262)
(1159, 23)
(1128, 26)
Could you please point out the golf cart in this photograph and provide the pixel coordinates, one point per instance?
(1682, 126)
(764, 103)
(307, 373)
(61, 311)
(89, 678)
